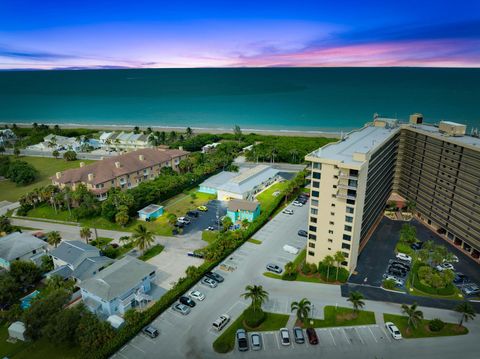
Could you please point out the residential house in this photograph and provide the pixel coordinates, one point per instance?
(239, 209)
(123, 285)
(7, 136)
(21, 246)
(77, 260)
(124, 140)
(209, 147)
(123, 171)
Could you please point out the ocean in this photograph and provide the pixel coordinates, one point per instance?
(305, 99)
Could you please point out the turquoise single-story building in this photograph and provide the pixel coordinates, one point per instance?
(212, 184)
(240, 209)
(150, 213)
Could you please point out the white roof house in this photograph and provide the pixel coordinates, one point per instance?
(17, 330)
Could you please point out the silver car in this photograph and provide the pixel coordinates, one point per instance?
(209, 282)
(256, 341)
(181, 308)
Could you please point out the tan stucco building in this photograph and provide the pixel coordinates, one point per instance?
(436, 167)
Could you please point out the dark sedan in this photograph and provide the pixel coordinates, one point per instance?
(302, 233)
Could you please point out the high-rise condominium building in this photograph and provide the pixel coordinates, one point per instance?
(436, 167)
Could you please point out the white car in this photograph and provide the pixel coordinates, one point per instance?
(287, 211)
(453, 259)
(285, 336)
(195, 294)
(404, 257)
(398, 282)
(183, 220)
(290, 249)
(297, 204)
(445, 266)
(393, 330)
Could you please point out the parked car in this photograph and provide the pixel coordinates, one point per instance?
(151, 331)
(460, 278)
(445, 266)
(290, 249)
(221, 322)
(470, 289)
(184, 220)
(297, 204)
(202, 208)
(195, 294)
(215, 276)
(210, 228)
(187, 301)
(192, 214)
(417, 246)
(196, 255)
(404, 257)
(181, 308)
(396, 272)
(242, 340)
(179, 224)
(453, 259)
(274, 268)
(209, 282)
(398, 282)
(312, 336)
(401, 264)
(285, 336)
(256, 341)
(302, 233)
(298, 335)
(288, 211)
(393, 330)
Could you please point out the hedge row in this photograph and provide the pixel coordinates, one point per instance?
(418, 284)
(184, 284)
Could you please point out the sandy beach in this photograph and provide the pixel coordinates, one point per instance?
(195, 129)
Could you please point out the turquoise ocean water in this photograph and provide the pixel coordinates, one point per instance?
(327, 99)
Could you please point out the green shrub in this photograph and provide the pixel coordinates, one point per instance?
(254, 318)
(389, 284)
(313, 268)
(290, 277)
(306, 269)
(436, 325)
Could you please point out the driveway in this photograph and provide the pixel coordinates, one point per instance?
(205, 219)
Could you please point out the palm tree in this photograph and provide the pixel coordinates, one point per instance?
(86, 234)
(55, 154)
(303, 309)
(339, 258)
(328, 261)
(356, 299)
(54, 238)
(467, 312)
(414, 315)
(289, 268)
(189, 132)
(142, 237)
(257, 294)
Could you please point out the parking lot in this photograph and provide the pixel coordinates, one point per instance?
(328, 338)
(380, 250)
(205, 219)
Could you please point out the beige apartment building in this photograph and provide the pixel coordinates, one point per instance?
(123, 171)
(436, 167)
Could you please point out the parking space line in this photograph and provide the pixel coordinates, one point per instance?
(345, 334)
(139, 349)
(264, 346)
(359, 336)
(332, 338)
(386, 335)
(276, 338)
(119, 353)
(371, 332)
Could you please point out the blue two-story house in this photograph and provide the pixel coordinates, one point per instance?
(123, 285)
(240, 209)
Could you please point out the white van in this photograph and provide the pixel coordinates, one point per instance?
(221, 322)
(290, 249)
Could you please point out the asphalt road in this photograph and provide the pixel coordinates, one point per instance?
(192, 336)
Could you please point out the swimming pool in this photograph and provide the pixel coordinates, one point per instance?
(25, 301)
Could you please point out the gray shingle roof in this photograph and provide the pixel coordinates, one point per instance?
(242, 205)
(118, 278)
(74, 252)
(62, 271)
(90, 265)
(15, 245)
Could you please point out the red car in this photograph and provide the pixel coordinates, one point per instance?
(312, 336)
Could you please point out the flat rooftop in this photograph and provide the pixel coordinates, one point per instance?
(364, 140)
(462, 140)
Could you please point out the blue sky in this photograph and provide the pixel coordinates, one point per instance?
(144, 33)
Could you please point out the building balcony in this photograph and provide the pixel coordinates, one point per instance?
(347, 187)
(344, 175)
(346, 196)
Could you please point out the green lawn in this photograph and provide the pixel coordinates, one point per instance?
(422, 330)
(404, 248)
(266, 197)
(272, 275)
(254, 241)
(183, 202)
(160, 226)
(341, 317)
(151, 252)
(101, 242)
(46, 168)
(34, 350)
(209, 236)
(226, 342)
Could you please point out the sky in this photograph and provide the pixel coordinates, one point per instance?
(71, 34)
